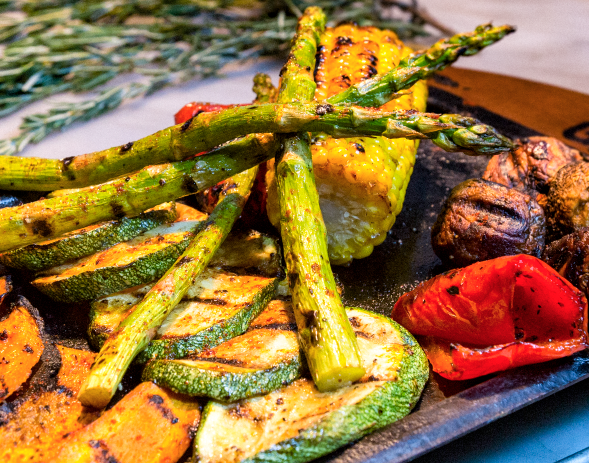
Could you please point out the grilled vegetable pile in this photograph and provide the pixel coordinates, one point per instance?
(196, 304)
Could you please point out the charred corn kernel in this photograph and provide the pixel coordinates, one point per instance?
(361, 181)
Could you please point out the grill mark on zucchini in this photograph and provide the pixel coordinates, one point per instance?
(250, 271)
(277, 326)
(232, 362)
(297, 423)
(219, 302)
(361, 334)
(259, 361)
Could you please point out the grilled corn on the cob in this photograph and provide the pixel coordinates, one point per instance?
(361, 181)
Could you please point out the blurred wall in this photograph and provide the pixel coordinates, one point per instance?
(551, 44)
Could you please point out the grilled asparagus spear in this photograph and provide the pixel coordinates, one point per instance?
(17, 173)
(153, 185)
(420, 65)
(138, 329)
(325, 332)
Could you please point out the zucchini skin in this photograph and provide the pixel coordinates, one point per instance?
(81, 243)
(361, 419)
(99, 282)
(381, 407)
(212, 336)
(222, 385)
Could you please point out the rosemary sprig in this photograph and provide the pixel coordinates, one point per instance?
(53, 46)
(35, 127)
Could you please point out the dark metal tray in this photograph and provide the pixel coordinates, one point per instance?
(447, 409)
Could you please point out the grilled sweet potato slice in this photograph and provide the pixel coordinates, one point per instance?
(21, 346)
(36, 428)
(148, 425)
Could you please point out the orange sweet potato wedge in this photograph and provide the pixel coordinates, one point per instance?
(148, 425)
(36, 428)
(21, 347)
(5, 286)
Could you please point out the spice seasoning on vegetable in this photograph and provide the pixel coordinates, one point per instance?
(495, 315)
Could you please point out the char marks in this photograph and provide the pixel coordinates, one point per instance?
(158, 402)
(102, 453)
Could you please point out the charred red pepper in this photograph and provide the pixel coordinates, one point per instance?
(495, 315)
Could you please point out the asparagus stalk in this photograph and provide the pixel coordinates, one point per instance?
(128, 196)
(325, 333)
(139, 328)
(382, 88)
(208, 130)
(42, 174)
(52, 217)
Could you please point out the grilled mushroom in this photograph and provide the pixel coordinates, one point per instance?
(567, 208)
(569, 256)
(483, 220)
(532, 165)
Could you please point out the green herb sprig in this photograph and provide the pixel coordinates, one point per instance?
(57, 46)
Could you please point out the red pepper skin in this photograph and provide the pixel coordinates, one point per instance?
(494, 315)
(194, 109)
(458, 362)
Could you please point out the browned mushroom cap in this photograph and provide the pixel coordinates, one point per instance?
(532, 164)
(567, 207)
(483, 220)
(569, 256)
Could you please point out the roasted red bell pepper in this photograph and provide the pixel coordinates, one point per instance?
(495, 315)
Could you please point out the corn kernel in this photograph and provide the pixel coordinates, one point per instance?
(361, 181)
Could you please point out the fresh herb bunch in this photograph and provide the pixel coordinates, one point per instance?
(55, 46)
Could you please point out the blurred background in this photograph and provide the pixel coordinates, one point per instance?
(551, 44)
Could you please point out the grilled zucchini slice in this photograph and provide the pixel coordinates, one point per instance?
(297, 423)
(147, 257)
(257, 362)
(140, 260)
(226, 299)
(218, 308)
(86, 241)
